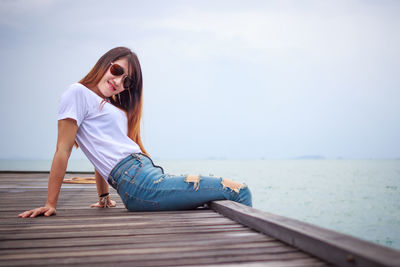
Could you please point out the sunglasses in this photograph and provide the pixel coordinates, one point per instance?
(117, 70)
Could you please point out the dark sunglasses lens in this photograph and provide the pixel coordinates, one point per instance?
(116, 70)
(127, 82)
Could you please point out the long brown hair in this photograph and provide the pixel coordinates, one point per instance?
(129, 100)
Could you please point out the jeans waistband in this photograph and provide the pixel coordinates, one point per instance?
(139, 156)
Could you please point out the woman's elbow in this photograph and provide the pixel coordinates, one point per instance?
(63, 151)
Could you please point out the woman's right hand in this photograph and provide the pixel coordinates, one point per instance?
(46, 211)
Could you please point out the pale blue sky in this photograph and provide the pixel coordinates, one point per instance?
(231, 79)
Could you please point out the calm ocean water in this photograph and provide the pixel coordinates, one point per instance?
(356, 197)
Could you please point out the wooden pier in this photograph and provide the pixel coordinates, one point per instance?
(228, 234)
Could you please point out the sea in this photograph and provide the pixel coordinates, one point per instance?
(356, 197)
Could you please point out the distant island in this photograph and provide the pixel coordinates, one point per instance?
(310, 157)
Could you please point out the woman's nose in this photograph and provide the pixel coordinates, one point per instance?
(118, 80)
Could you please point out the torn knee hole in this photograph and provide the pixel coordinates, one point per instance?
(233, 185)
(195, 179)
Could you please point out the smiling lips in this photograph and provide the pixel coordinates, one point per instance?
(112, 86)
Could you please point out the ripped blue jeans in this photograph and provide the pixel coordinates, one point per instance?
(143, 186)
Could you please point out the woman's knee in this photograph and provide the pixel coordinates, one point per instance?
(245, 196)
(243, 192)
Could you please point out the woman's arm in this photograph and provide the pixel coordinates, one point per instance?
(67, 130)
(102, 186)
(102, 191)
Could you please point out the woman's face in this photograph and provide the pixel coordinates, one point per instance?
(110, 84)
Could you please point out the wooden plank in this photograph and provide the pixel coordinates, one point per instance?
(157, 258)
(293, 263)
(86, 211)
(334, 247)
(119, 232)
(161, 223)
(235, 261)
(105, 214)
(92, 223)
(170, 240)
(16, 254)
(139, 239)
(64, 214)
(79, 230)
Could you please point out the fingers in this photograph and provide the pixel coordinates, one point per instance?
(46, 211)
(51, 211)
(37, 212)
(25, 214)
(112, 203)
(96, 205)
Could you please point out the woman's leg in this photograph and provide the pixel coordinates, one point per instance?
(191, 191)
(144, 186)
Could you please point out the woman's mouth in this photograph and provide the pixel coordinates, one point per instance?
(112, 86)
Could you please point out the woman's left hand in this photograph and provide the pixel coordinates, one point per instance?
(101, 204)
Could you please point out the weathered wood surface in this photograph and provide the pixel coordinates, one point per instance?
(82, 236)
(334, 247)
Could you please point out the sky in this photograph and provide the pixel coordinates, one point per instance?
(222, 79)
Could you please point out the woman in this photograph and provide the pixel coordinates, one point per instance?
(102, 115)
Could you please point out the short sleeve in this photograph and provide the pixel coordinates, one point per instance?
(72, 104)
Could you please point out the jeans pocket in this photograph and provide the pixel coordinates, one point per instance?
(133, 203)
(133, 171)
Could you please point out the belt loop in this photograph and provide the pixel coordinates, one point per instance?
(136, 156)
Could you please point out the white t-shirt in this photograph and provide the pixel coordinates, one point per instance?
(102, 128)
